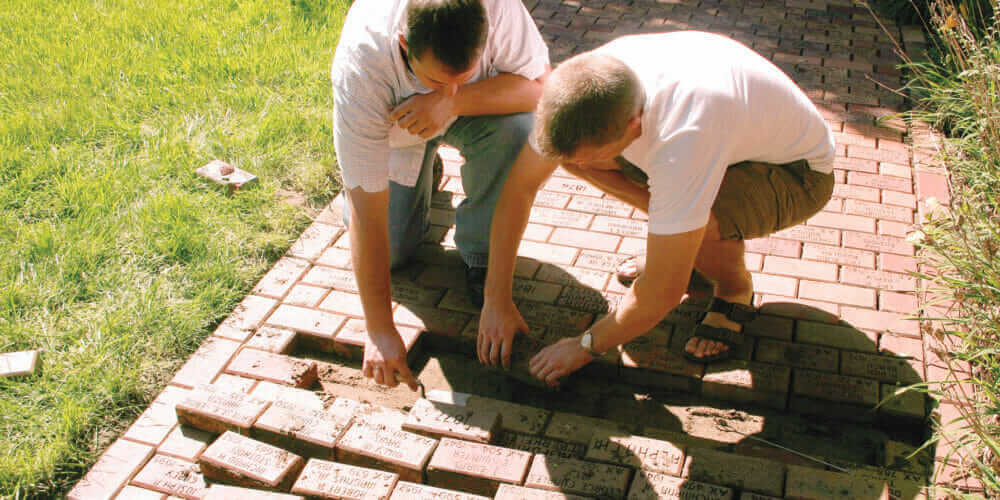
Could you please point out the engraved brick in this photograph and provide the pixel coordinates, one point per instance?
(216, 410)
(271, 392)
(588, 300)
(905, 457)
(902, 485)
(572, 187)
(771, 326)
(561, 218)
(577, 477)
(245, 318)
(112, 471)
(305, 295)
(223, 492)
(541, 445)
(431, 319)
(878, 279)
(810, 483)
(649, 485)
(242, 461)
(512, 492)
(842, 337)
(308, 432)
(881, 321)
(378, 442)
(545, 252)
(513, 417)
(549, 315)
(833, 292)
(636, 451)
(852, 192)
(272, 339)
(329, 480)
(436, 419)
(833, 387)
(586, 239)
(157, 420)
(137, 493)
(572, 276)
(619, 226)
(280, 279)
(263, 365)
(811, 234)
(747, 381)
(735, 471)
(800, 268)
(314, 240)
(598, 260)
(837, 255)
(535, 290)
(580, 429)
(652, 351)
(309, 321)
(408, 292)
(878, 367)
(811, 356)
(413, 491)
(206, 363)
(178, 478)
(331, 277)
(552, 200)
(474, 467)
(601, 206)
(774, 246)
(842, 221)
(234, 383)
(878, 243)
(900, 403)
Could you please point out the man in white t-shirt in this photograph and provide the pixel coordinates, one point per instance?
(710, 139)
(407, 76)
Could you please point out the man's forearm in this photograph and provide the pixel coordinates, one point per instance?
(503, 94)
(369, 237)
(635, 315)
(614, 183)
(509, 221)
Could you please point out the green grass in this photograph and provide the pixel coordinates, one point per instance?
(116, 259)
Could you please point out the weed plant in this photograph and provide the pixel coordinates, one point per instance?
(116, 259)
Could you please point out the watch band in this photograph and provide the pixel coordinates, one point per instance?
(589, 348)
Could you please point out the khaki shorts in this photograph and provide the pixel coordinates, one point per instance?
(757, 199)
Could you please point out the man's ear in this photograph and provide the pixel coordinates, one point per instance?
(402, 43)
(634, 125)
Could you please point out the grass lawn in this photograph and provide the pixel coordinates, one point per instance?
(115, 259)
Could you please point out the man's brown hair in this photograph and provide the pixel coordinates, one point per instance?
(454, 30)
(588, 99)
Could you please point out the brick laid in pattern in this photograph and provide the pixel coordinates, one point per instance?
(474, 467)
(882, 368)
(909, 404)
(185, 443)
(272, 339)
(269, 391)
(735, 471)
(833, 387)
(513, 417)
(841, 337)
(242, 461)
(376, 441)
(437, 419)
(652, 351)
(206, 363)
(749, 381)
(137, 493)
(350, 340)
(172, 476)
(579, 428)
(263, 365)
(541, 445)
(512, 492)
(216, 410)
(817, 357)
(245, 318)
(112, 471)
(223, 492)
(809, 483)
(412, 491)
(648, 485)
(578, 477)
(158, 419)
(306, 431)
(329, 480)
(636, 451)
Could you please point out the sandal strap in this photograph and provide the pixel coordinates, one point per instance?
(729, 337)
(740, 313)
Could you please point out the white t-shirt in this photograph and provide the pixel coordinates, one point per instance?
(711, 102)
(370, 77)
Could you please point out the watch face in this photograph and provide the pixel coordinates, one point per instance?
(587, 340)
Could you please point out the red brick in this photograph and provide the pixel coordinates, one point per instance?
(598, 260)
(619, 226)
(206, 363)
(185, 443)
(572, 186)
(798, 355)
(837, 388)
(552, 200)
(586, 239)
(856, 165)
(632, 246)
(906, 347)
(305, 296)
(834, 206)
(811, 234)
(735, 471)
(245, 318)
(636, 451)
(177, 478)
(881, 321)
(271, 392)
(841, 294)
(474, 467)
(412, 491)
(891, 228)
(262, 365)
(843, 221)
(778, 285)
(800, 268)
(336, 257)
(309, 321)
(346, 303)
(545, 252)
(895, 170)
(280, 279)
(158, 419)
(580, 429)
(351, 340)
(535, 290)
(774, 246)
(242, 461)
(272, 339)
(316, 238)
(377, 441)
(137, 493)
(216, 410)
(897, 263)
(223, 492)
(852, 192)
(513, 417)
(600, 206)
(854, 140)
(436, 419)
(577, 477)
(878, 243)
(655, 486)
(753, 261)
(747, 381)
(331, 277)
(234, 383)
(839, 336)
(879, 211)
(900, 199)
(537, 232)
(880, 181)
(807, 483)
(897, 302)
(326, 480)
(512, 492)
(560, 218)
(932, 185)
(879, 367)
(112, 471)
(881, 280)
(306, 431)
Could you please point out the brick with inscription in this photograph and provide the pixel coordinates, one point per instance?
(618, 226)
(879, 211)
(278, 368)
(833, 387)
(206, 363)
(749, 495)
(837, 255)
(841, 337)
(331, 277)
(172, 476)
(436, 419)
(513, 416)
(412, 491)
(578, 477)
(242, 461)
(771, 326)
(599, 261)
(880, 181)
(562, 218)
(474, 467)
(580, 429)
(272, 339)
(245, 318)
(308, 432)
(326, 480)
(898, 401)
(112, 471)
(271, 392)
(185, 443)
(216, 410)
(137, 493)
(842, 221)
(747, 381)
(587, 300)
(431, 319)
(817, 357)
(535, 290)
(878, 243)
(572, 276)
(902, 485)
(774, 246)
(735, 471)
(572, 186)
(549, 315)
(649, 485)
(280, 279)
(883, 368)
(652, 351)
(636, 451)
(881, 280)
(224, 492)
(541, 445)
(157, 420)
(601, 206)
(811, 234)
(407, 292)
(513, 492)
(809, 483)
(556, 254)
(380, 443)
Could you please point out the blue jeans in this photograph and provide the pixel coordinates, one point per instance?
(489, 144)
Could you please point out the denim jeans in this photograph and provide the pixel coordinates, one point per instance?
(489, 144)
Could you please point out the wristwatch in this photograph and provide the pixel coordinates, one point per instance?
(587, 344)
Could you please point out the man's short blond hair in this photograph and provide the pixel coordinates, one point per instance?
(588, 99)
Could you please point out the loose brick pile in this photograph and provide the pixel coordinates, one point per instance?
(834, 337)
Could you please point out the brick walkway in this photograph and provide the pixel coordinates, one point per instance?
(834, 337)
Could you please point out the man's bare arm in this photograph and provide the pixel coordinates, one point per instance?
(614, 183)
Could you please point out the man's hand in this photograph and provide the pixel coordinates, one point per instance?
(385, 357)
(424, 114)
(498, 324)
(558, 360)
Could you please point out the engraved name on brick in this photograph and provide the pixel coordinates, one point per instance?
(832, 387)
(621, 227)
(405, 490)
(242, 461)
(549, 315)
(217, 410)
(512, 492)
(379, 443)
(600, 206)
(542, 445)
(330, 480)
(481, 466)
(172, 476)
(224, 492)
(305, 430)
(563, 218)
(636, 451)
(579, 477)
(649, 485)
(883, 368)
(441, 419)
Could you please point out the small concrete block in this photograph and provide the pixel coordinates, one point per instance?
(636, 451)
(305, 431)
(216, 410)
(377, 442)
(272, 339)
(241, 461)
(329, 480)
(112, 471)
(735, 471)
(808, 483)
(747, 381)
(137, 493)
(512, 492)
(444, 420)
(223, 492)
(412, 491)
(223, 173)
(541, 445)
(513, 417)
(269, 391)
(648, 485)
(580, 429)
(185, 443)
(474, 467)
(263, 365)
(172, 476)
(910, 404)
(18, 364)
(578, 477)
(833, 387)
